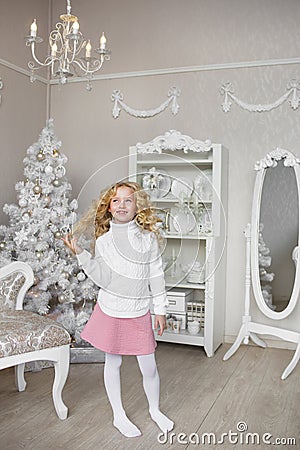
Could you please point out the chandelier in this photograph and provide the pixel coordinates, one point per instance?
(66, 44)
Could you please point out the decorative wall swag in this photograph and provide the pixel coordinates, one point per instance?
(117, 98)
(174, 140)
(1, 87)
(293, 88)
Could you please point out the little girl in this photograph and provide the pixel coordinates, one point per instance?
(128, 268)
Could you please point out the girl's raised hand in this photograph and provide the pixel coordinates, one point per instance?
(71, 243)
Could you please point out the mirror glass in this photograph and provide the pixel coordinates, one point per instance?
(278, 235)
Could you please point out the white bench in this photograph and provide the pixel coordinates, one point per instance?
(26, 336)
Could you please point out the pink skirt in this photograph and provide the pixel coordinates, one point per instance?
(120, 336)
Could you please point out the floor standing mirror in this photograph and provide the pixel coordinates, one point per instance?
(272, 242)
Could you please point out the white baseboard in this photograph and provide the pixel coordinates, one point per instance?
(271, 342)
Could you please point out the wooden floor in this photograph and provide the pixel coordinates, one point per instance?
(202, 395)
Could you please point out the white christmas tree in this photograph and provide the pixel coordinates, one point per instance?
(264, 261)
(43, 215)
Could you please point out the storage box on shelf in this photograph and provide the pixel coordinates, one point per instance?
(178, 299)
(196, 311)
(186, 180)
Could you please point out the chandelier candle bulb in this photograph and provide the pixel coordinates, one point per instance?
(54, 49)
(102, 42)
(33, 29)
(75, 27)
(88, 50)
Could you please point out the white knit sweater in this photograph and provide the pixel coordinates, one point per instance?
(128, 268)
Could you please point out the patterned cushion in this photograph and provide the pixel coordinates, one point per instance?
(25, 331)
(9, 289)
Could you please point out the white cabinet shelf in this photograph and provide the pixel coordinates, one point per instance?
(173, 200)
(186, 236)
(194, 247)
(171, 284)
(170, 162)
(183, 337)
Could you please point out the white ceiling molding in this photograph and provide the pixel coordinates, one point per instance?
(117, 98)
(18, 69)
(187, 69)
(171, 71)
(293, 88)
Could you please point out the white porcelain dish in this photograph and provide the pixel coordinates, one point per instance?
(183, 222)
(182, 187)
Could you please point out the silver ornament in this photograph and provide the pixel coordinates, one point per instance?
(56, 182)
(2, 245)
(65, 275)
(60, 171)
(81, 276)
(40, 156)
(26, 216)
(46, 272)
(61, 298)
(23, 202)
(57, 234)
(37, 189)
(48, 170)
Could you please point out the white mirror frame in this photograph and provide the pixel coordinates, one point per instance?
(267, 163)
(250, 329)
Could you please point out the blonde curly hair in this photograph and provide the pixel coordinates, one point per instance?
(100, 216)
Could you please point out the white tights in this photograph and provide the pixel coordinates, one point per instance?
(112, 383)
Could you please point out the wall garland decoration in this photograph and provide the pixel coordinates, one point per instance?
(293, 88)
(117, 98)
(1, 87)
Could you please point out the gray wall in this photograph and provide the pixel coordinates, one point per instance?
(23, 107)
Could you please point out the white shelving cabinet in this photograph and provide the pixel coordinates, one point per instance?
(181, 158)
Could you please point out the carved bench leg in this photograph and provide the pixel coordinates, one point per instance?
(61, 367)
(19, 377)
